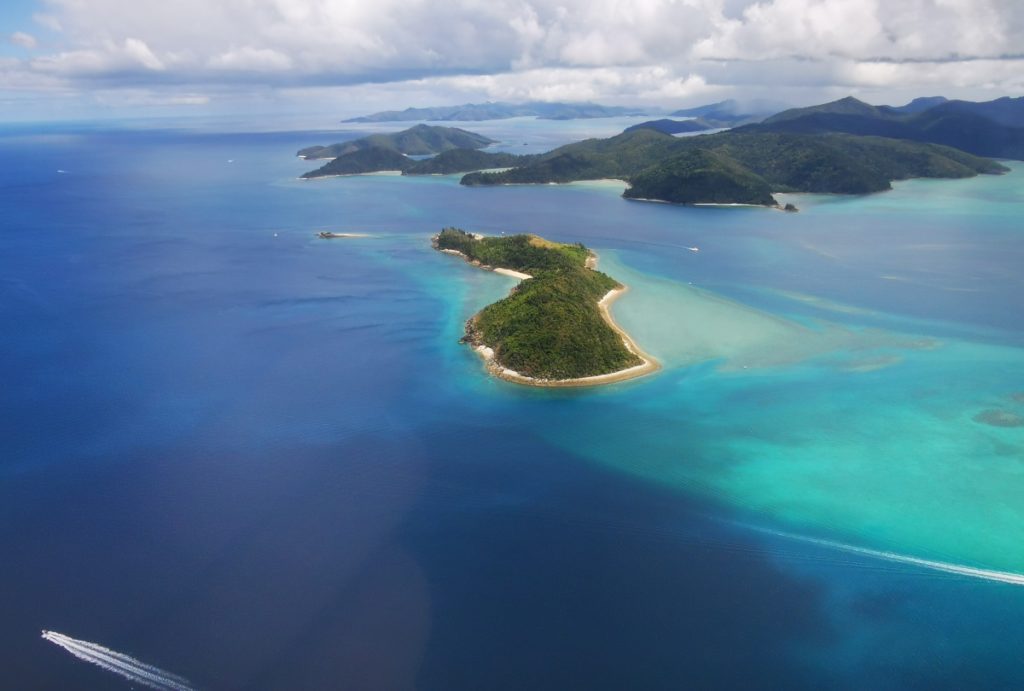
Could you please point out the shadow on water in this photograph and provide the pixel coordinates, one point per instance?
(391, 561)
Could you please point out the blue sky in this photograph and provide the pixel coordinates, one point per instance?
(109, 58)
(16, 15)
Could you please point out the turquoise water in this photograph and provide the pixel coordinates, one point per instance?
(258, 459)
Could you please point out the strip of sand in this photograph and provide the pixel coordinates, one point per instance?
(514, 274)
(328, 235)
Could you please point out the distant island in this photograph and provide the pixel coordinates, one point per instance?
(500, 111)
(798, 150)
(376, 159)
(668, 126)
(421, 140)
(554, 329)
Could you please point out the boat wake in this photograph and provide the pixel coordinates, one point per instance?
(945, 567)
(119, 663)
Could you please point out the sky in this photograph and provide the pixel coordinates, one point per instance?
(82, 59)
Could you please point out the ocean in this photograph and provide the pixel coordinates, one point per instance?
(258, 459)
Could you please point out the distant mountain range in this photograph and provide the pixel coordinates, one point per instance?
(731, 113)
(992, 128)
(470, 112)
(421, 140)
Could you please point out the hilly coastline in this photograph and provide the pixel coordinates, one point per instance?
(421, 140)
(798, 150)
(376, 159)
(744, 162)
(992, 128)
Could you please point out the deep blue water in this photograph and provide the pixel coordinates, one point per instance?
(261, 460)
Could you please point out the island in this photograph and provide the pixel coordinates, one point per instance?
(421, 140)
(379, 160)
(450, 150)
(554, 329)
(669, 126)
(542, 110)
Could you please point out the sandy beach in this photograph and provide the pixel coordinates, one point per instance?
(514, 274)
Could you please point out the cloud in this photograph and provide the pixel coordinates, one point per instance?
(131, 55)
(20, 38)
(868, 30)
(614, 50)
(47, 21)
(251, 59)
(575, 84)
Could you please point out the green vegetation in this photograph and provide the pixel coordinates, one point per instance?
(831, 148)
(361, 161)
(837, 163)
(550, 326)
(421, 140)
(465, 160)
(620, 156)
(701, 176)
(668, 126)
(376, 159)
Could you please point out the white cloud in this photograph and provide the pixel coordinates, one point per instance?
(131, 55)
(20, 38)
(869, 29)
(138, 51)
(608, 50)
(47, 21)
(147, 98)
(251, 59)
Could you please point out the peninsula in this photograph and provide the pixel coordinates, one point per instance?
(554, 328)
(742, 166)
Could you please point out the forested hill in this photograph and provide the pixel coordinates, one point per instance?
(464, 160)
(785, 162)
(993, 128)
(421, 140)
(376, 159)
(550, 327)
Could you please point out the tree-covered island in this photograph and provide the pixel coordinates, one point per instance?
(553, 329)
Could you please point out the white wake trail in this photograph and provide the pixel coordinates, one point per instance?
(946, 567)
(119, 663)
